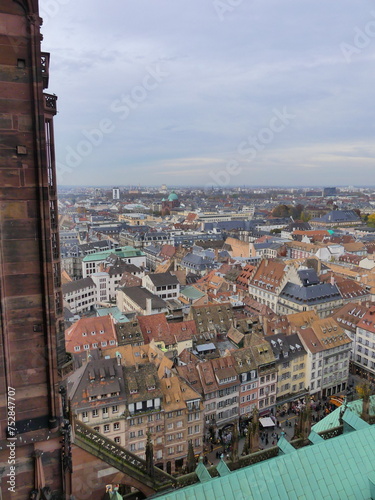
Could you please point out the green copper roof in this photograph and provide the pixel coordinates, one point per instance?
(191, 292)
(334, 469)
(115, 311)
(122, 252)
(173, 196)
(332, 419)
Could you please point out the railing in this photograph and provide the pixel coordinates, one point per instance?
(125, 460)
(255, 458)
(65, 369)
(330, 433)
(50, 105)
(44, 62)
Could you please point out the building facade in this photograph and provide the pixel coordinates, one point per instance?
(32, 354)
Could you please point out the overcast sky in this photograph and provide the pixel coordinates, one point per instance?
(213, 92)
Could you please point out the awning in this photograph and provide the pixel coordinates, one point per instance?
(266, 422)
(337, 401)
(265, 413)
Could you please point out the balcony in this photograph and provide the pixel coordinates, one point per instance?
(44, 60)
(50, 106)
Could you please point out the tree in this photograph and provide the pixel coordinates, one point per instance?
(281, 211)
(305, 216)
(371, 220)
(296, 211)
(364, 391)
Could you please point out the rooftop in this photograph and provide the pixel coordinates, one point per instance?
(336, 469)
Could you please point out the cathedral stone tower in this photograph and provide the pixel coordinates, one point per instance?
(33, 361)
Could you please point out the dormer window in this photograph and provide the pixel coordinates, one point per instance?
(101, 331)
(84, 334)
(93, 333)
(133, 391)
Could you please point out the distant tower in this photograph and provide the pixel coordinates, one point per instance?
(32, 346)
(116, 193)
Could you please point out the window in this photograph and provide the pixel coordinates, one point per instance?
(77, 348)
(94, 413)
(132, 435)
(115, 409)
(117, 440)
(106, 428)
(140, 433)
(116, 426)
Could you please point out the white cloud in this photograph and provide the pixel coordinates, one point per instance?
(224, 79)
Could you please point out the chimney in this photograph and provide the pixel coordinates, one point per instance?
(148, 306)
(118, 357)
(333, 281)
(136, 367)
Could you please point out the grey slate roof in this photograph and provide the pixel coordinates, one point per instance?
(74, 286)
(286, 346)
(162, 279)
(339, 216)
(197, 261)
(139, 295)
(308, 277)
(314, 294)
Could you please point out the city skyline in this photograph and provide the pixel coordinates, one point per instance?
(197, 94)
